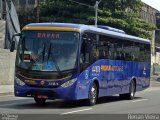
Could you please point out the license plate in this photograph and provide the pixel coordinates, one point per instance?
(42, 96)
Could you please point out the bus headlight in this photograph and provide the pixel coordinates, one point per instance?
(19, 82)
(68, 83)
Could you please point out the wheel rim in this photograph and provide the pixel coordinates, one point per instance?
(93, 94)
(132, 89)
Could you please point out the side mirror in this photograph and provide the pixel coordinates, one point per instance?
(12, 46)
(13, 42)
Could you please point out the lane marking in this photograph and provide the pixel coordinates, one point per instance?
(76, 111)
(140, 100)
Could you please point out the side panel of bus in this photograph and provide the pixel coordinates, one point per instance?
(114, 77)
(117, 62)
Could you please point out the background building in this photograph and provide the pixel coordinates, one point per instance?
(148, 13)
(152, 15)
(157, 37)
(0, 9)
(22, 5)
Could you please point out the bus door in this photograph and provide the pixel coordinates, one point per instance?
(87, 55)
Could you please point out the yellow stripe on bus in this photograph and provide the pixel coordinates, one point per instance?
(52, 28)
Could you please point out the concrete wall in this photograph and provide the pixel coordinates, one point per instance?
(7, 64)
(7, 59)
(2, 33)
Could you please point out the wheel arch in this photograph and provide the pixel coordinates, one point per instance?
(97, 84)
(135, 81)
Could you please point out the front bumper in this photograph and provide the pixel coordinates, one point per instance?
(68, 93)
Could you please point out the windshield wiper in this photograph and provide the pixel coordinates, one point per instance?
(43, 53)
(53, 58)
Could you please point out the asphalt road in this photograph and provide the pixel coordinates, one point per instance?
(146, 102)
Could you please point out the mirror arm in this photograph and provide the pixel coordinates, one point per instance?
(13, 42)
(17, 34)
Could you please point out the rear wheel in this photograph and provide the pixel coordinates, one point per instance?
(93, 94)
(40, 101)
(131, 94)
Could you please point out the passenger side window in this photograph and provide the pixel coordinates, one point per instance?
(88, 49)
(112, 48)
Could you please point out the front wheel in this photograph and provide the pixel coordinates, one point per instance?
(39, 101)
(93, 95)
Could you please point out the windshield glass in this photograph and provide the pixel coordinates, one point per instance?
(47, 50)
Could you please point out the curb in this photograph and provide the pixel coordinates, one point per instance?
(5, 94)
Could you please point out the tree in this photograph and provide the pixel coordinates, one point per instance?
(121, 14)
(26, 17)
(125, 14)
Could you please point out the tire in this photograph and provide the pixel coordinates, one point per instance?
(93, 95)
(40, 101)
(131, 94)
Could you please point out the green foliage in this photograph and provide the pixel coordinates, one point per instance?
(121, 14)
(27, 17)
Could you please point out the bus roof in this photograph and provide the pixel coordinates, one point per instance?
(81, 28)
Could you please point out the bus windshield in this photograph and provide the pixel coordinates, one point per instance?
(47, 50)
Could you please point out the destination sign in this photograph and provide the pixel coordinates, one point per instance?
(48, 35)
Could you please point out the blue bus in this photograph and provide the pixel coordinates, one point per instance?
(76, 61)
